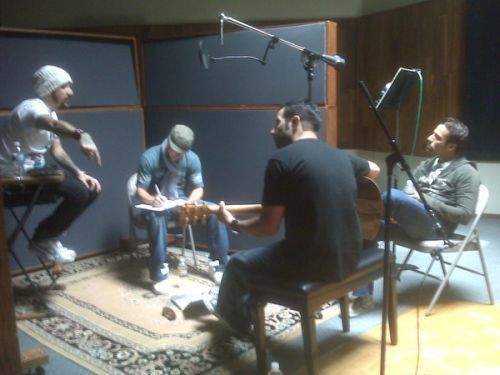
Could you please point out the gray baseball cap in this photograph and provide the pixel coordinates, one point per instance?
(180, 138)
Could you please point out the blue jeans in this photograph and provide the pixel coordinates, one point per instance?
(413, 219)
(217, 240)
(366, 290)
(413, 222)
(274, 260)
(233, 299)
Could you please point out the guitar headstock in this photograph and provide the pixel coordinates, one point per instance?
(194, 213)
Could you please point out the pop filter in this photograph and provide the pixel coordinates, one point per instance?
(204, 55)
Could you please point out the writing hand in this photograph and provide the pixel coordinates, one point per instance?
(159, 200)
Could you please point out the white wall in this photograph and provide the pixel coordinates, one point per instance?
(489, 171)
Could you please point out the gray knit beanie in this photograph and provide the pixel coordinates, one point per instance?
(49, 78)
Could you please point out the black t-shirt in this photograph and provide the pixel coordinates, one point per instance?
(317, 185)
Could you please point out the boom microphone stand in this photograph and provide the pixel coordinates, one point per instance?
(309, 57)
(391, 160)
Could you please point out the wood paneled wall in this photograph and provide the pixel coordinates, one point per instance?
(429, 36)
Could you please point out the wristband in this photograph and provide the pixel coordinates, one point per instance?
(77, 134)
(234, 226)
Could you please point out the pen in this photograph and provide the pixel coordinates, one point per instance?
(158, 192)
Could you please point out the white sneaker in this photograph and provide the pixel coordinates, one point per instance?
(50, 251)
(63, 249)
(161, 287)
(165, 270)
(215, 271)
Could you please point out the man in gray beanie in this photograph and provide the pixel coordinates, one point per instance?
(35, 125)
(171, 171)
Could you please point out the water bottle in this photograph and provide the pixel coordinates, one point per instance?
(182, 267)
(409, 188)
(275, 369)
(18, 158)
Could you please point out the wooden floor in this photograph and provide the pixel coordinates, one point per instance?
(458, 338)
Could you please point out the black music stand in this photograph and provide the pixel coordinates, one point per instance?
(394, 94)
(398, 90)
(396, 157)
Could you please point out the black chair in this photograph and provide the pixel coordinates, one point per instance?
(308, 297)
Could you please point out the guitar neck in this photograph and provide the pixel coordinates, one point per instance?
(238, 209)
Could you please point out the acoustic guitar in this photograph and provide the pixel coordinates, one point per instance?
(369, 209)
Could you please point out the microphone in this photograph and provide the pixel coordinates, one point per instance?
(336, 61)
(221, 35)
(204, 55)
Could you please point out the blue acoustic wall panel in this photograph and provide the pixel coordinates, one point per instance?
(102, 70)
(175, 76)
(119, 136)
(234, 147)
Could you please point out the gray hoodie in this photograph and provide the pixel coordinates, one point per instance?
(453, 194)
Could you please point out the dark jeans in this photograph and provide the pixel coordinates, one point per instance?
(233, 299)
(76, 197)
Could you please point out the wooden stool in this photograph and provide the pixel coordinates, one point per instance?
(308, 297)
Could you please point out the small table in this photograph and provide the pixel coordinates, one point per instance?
(26, 191)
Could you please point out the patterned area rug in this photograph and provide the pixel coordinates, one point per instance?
(107, 320)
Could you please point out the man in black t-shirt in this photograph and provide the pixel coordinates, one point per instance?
(313, 187)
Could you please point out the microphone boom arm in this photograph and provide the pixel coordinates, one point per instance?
(335, 61)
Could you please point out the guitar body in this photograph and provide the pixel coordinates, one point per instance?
(369, 209)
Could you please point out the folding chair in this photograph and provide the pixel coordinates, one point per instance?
(136, 223)
(470, 241)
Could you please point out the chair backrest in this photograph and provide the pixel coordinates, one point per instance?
(482, 200)
(131, 188)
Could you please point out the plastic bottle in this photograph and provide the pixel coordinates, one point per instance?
(182, 267)
(409, 188)
(275, 369)
(18, 158)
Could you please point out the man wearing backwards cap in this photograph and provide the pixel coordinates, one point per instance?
(35, 125)
(170, 171)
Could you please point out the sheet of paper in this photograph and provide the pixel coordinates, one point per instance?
(168, 204)
(182, 301)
